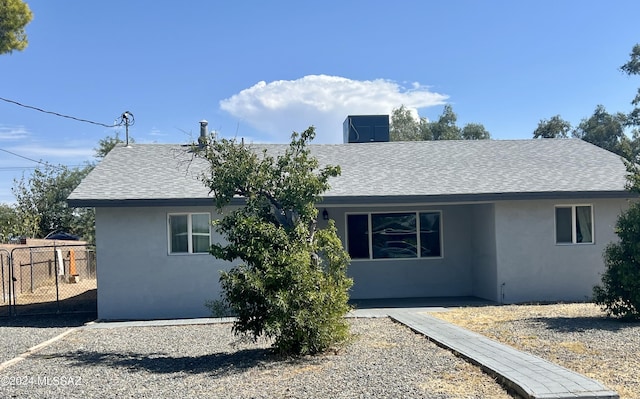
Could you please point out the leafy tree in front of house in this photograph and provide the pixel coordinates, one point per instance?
(552, 128)
(619, 292)
(14, 16)
(291, 285)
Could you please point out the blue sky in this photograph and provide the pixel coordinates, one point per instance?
(261, 70)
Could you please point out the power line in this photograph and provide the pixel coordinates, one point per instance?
(60, 115)
(40, 162)
(23, 157)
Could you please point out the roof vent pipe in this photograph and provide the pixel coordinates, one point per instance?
(203, 132)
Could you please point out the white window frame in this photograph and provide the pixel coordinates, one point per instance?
(370, 235)
(574, 224)
(190, 232)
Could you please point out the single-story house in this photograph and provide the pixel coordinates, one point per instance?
(506, 220)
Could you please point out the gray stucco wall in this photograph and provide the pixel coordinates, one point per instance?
(483, 248)
(138, 279)
(405, 278)
(533, 267)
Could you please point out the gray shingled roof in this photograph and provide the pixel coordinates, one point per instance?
(378, 172)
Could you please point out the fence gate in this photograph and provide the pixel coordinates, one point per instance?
(5, 276)
(48, 279)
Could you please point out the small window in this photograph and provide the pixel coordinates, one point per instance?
(189, 233)
(574, 224)
(394, 235)
(358, 236)
(430, 234)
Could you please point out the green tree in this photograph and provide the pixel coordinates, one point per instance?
(8, 222)
(606, 131)
(475, 131)
(552, 128)
(445, 127)
(292, 284)
(42, 198)
(632, 67)
(107, 144)
(619, 292)
(404, 127)
(14, 16)
(41, 202)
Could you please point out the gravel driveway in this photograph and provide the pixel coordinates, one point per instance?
(385, 360)
(18, 334)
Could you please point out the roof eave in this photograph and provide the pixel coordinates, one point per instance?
(363, 200)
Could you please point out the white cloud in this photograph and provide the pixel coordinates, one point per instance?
(13, 132)
(280, 107)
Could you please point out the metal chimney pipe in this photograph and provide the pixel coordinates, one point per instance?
(203, 128)
(203, 132)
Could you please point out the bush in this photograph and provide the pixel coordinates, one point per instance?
(292, 285)
(619, 293)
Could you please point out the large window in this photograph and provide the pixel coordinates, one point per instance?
(189, 233)
(574, 224)
(394, 235)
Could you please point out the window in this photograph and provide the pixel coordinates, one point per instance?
(189, 233)
(394, 235)
(574, 224)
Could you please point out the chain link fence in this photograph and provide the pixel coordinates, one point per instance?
(48, 279)
(5, 276)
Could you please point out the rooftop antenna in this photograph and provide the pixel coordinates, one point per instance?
(127, 120)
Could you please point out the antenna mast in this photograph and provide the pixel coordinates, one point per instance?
(127, 120)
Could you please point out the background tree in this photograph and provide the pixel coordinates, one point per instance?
(552, 128)
(292, 284)
(41, 199)
(8, 222)
(42, 202)
(14, 16)
(475, 131)
(107, 144)
(404, 127)
(445, 127)
(632, 67)
(605, 130)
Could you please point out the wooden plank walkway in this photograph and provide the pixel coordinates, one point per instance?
(529, 376)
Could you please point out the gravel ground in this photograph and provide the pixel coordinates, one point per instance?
(385, 360)
(17, 334)
(576, 336)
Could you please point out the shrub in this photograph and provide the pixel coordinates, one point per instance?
(619, 293)
(292, 284)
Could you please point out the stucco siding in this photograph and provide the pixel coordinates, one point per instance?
(449, 275)
(483, 248)
(532, 267)
(138, 279)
